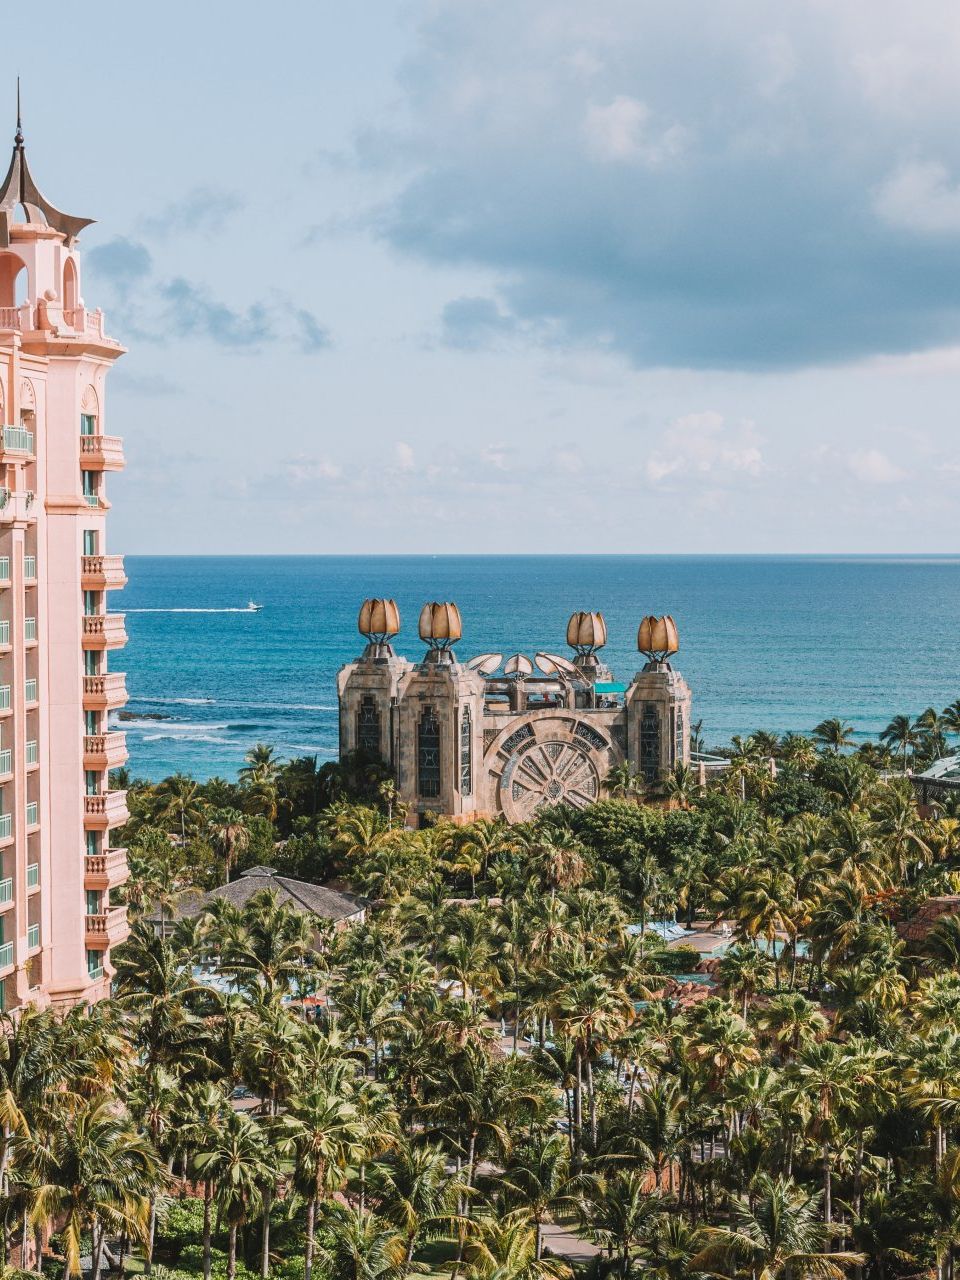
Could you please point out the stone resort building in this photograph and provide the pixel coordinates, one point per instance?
(488, 736)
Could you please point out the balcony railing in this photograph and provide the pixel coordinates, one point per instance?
(104, 750)
(18, 438)
(6, 955)
(107, 928)
(4, 568)
(104, 631)
(33, 752)
(30, 690)
(33, 937)
(6, 889)
(10, 318)
(92, 499)
(4, 632)
(95, 971)
(29, 629)
(106, 691)
(4, 697)
(106, 810)
(33, 874)
(29, 566)
(6, 826)
(33, 813)
(106, 870)
(101, 451)
(102, 573)
(6, 761)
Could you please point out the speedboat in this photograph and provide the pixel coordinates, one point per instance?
(253, 607)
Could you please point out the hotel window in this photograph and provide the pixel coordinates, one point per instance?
(88, 424)
(91, 541)
(93, 843)
(94, 964)
(466, 753)
(94, 903)
(91, 662)
(678, 739)
(428, 754)
(650, 742)
(91, 780)
(91, 603)
(91, 723)
(368, 727)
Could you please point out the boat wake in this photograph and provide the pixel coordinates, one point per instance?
(235, 609)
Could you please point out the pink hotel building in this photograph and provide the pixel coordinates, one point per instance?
(57, 866)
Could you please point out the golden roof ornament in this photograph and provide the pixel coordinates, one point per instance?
(379, 620)
(657, 638)
(440, 624)
(586, 632)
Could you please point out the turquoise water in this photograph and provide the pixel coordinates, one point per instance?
(773, 643)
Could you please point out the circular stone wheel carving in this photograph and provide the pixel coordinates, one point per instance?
(546, 773)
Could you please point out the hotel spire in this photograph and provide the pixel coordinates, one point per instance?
(19, 188)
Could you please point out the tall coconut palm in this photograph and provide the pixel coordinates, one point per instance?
(504, 1248)
(416, 1193)
(902, 734)
(538, 1176)
(775, 1234)
(834, 735)
(230, 834)
(240, 1163)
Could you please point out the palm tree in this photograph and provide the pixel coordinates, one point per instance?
(504, 1248)
(182, 803)
(744, 969)
(682, 785)
(230, 834)
(834, 735)
(902, 734)
(240, 1163)
(91, 1173)
(538, 1174)
(261, 765)
(622, 783)
(618, 1215)
(322, 1132)
(821, 1087)
(207, 1107)
(360, 1246)
(415, 1192)
(272, 946)
(775, 1234)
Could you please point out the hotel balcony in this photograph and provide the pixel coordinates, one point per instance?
(6, 956)
(104, 750)
(17, 505)
(101, 453)
(107, 929)
(105, 811)
(4, 636)
(17, 440)
(104, 631)
(102, 573)
(30, 569)
(106, 692)
(6, 707)
(33, 877)
(6, 764)
(6, 828)
(105, 870)
(33, 938)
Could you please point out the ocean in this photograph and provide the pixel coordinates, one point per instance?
(776, 643)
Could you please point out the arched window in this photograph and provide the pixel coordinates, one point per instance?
(71, 294)
(89, 412)
(428, 754)
(466, 753)
(13, 282)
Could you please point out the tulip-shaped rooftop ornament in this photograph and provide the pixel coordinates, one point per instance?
(378, 623)
(657, 638)
(586, 632)
(440, 628)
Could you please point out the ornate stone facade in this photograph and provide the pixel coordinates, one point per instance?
(488, 737)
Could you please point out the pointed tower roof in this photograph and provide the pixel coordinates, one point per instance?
(19, 188)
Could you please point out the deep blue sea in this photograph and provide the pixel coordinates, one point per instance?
(773, 643)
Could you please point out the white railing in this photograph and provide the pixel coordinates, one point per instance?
(33, 874)
(91, 499)
(6, 826)
(6, 889)
(30, 690)
(4, 632)
(6, 760)
(4, 568)
(94, 971)
(33, 813)
(18, 438)
(29, 566)
(6, 955)
(4, 697)
(33, 752)
(29, 628)
(33, 937)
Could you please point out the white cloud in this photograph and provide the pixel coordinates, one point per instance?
(619, 132)
(704, 443)
(403, 455)
(873, 467)
(921, 196)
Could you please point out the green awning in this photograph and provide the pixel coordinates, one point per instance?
(610, 686)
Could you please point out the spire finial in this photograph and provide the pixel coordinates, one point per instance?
(18, 139)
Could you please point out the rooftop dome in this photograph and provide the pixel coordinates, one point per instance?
(440, 624)
(379, 620)
(658, 637)
(586, 632)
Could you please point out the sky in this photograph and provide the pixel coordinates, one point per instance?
(516, 275)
